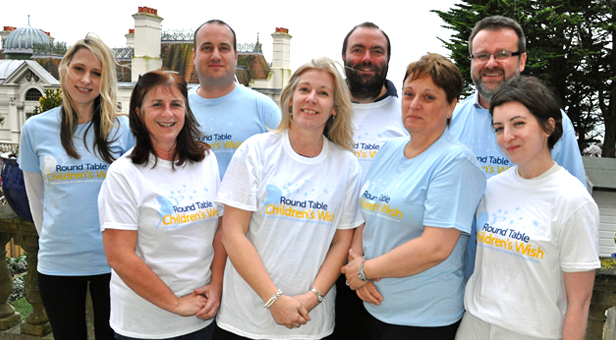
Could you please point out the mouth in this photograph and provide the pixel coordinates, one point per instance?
(512, 148)
(310, 112)
(83, 90)
(165, 124)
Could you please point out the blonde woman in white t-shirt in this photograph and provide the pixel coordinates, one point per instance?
(537, 230)
(290, 211)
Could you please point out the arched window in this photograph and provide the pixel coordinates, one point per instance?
(33, 95)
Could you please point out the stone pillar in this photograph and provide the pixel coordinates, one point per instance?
(281, 57)
(8, 316)
(37, 322)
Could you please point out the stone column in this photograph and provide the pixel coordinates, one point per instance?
(37, 322)
(8, 316)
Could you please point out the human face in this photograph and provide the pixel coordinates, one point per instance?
(83, 80)
(214, 55)
(489, 76)
(366, 62)
(163, 111)
(425, 109)
(520, 136)
(313, 101)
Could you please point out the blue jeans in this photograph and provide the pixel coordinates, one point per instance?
(202, 334)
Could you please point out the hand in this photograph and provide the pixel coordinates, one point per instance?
(190, 304)
(370, 294)
(212, 293)
(308, 300)
(289, 312)
(351, 270)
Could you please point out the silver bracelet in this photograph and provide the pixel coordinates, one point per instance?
(273, 299)
(316, 292)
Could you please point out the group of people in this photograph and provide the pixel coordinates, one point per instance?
(347, 213)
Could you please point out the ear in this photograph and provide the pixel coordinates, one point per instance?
(138, 111)
(334, 112)
(452, 106)
(522, 61)
(551, 126)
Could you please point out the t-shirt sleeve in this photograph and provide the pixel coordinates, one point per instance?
(453, 195)
(351, 214)
(117, 202)
(270, 113)
(566, 152)
(578, 242)
(28, 159)
(239, 185)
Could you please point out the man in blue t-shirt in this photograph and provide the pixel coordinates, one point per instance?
(228, 113)
(497, 48)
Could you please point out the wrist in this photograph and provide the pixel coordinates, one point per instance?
(319, 297)
(361, 273)
(273, 299)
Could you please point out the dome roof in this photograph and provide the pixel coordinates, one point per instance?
(25, 38)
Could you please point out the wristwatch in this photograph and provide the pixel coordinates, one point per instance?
(361, 274)
(316, 292)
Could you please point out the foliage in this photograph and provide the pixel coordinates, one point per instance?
(51, 98)
(569, 46)
(23, 307)
(58, 48)
(17, 265)
(177, 35)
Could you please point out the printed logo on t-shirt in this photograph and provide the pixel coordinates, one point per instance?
(177, 216)
(379, 204)
(287, 206)
(493, 165)
(513, 240)
(222, 142)
(56, 173)
(366, 151)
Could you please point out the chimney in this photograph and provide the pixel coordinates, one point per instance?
(146, 42)
(130, 38)
(281, 57)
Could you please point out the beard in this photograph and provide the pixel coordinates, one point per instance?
(365, 87)
(487, 92)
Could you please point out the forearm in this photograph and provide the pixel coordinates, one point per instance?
(144, 282)
(35, 191)
(246, 261)
(574, 327)
(578, 286)
(414, 256)
(357, 244)
(335, 259)
(220, 258)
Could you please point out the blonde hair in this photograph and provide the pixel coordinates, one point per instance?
(104, 106)
(339, 130)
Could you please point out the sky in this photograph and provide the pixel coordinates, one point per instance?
(318, 27)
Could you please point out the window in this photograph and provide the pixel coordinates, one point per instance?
(33, 95)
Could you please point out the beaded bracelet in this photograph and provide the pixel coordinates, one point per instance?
(273, 299)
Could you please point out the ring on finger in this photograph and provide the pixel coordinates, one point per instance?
(347, 283)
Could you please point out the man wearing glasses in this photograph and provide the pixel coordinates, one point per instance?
(497, 48)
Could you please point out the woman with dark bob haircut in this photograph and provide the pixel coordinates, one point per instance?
(537, 230)
(160, 222)
(65, 153)
(418, 201)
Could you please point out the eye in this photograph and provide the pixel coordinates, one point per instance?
(225, 48)
(97, 73)
(518, 123)
(408, 94)
(481, 56)
(206, 48)
(378, 52)
(429, 97)
(303, 89)
(78, 68)
(324, 93)
(498, 129)
(356, 50)
(177, 104)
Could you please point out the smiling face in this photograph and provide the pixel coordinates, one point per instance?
(214, 55)
(83, 80)
(489, 76)
(425, 109)
(366, 62)
(520, 136)
(313, 101)
(163, 111)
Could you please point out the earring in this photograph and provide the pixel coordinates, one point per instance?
(333, 117)
(291, 111)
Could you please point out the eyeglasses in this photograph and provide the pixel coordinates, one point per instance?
(502, 55)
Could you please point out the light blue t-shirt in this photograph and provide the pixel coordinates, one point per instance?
(472, 125)
(441, 187)
(229, 120)
(70, 243)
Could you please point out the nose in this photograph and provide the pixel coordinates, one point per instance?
(491, 62)
(367, 57)
(215, 54)
(312, 96)
(86, 78)
(508, 135)
(414, 105)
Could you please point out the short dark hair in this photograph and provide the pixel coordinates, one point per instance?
(214, 21)
(366, 24)
(443, 72)
(495, 23)
(537, 98)
(188, 142)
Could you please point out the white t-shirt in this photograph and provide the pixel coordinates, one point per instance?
(298, 203)
(375, 123)
(529, 233)
(176, 218)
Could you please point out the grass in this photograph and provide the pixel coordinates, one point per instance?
(23, 307)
